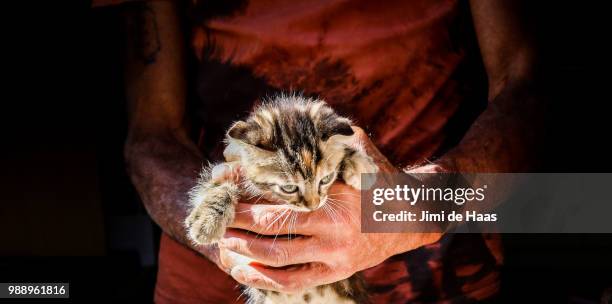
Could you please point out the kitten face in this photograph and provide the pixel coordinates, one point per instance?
(291, 151)
(303, 188)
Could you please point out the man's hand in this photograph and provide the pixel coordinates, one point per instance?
(328, 246)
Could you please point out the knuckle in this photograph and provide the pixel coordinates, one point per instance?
(248, 280)
(258, 282)
(341, 251)
(281, 256)
(340, 246)
(233, 245)
(359, 132)
(291, 287)
(270, 221)
(225, 260)
(343, 272)
(307, 220)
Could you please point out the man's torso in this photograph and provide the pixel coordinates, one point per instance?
(404, 71)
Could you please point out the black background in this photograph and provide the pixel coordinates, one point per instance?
(69, 214)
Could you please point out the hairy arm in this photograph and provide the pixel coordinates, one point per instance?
(162, 161)
(501, 140)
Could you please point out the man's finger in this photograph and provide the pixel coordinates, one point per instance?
(273, 220)
(247, 275)
(226, 171)
(271, 251)
(287, 280)
(229, 259)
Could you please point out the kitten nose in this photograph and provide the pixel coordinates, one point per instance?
(312, 201)
(313, 204)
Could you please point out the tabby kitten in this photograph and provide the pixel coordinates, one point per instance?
(290, 149)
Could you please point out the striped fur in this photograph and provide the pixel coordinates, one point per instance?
(290, 149)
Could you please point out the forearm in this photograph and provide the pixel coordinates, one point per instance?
(163, 170)
(163, 162)
(155, 68)
(506, 136)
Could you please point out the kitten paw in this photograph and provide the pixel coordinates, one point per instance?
(213, 211)
(206, 225)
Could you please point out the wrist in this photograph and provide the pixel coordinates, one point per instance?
(163, 170)
(410, 241)
(450, 162)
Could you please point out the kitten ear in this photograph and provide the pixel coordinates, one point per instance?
(250, 133)
(355, 165)
(338, 126)
(246, 141)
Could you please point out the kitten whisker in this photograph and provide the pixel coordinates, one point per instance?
(276, 219)
(269, 225)
(243, 211)
(325, 208)
(345, 209)
(282, 224)
(341, 207)
(288, 142)
(292, 224)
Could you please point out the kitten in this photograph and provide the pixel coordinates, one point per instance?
(291, 150)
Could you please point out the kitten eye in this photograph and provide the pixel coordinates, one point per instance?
(327, 179)
(289, 188)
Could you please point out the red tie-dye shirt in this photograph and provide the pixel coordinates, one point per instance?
(407, 71)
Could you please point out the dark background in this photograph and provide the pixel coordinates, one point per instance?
(69, 214)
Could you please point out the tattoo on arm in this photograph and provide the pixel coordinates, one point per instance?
(144, 33)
